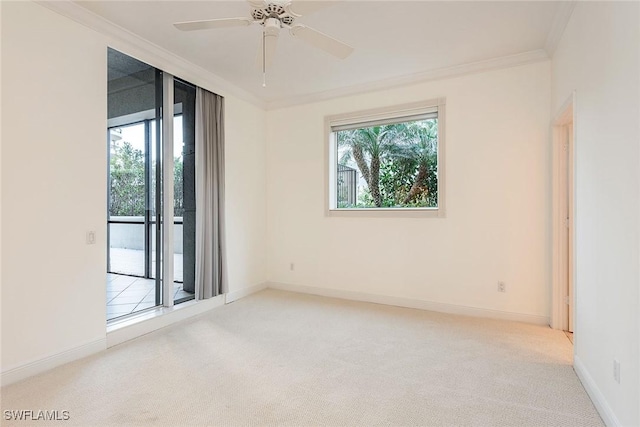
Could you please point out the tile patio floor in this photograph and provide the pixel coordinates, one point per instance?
(127, 294)
(131, 262)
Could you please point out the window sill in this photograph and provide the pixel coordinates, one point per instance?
(387, 213)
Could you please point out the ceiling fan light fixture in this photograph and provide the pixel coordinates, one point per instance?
(272, 26)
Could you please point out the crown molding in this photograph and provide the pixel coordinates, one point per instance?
(124, 40)
(437, 74)
(560, 21)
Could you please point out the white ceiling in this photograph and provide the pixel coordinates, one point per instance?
(392, 39)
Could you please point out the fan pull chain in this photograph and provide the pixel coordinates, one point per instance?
(264, 60)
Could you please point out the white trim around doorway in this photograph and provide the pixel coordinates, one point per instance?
(563, 214)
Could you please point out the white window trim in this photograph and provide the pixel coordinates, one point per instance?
(399, 111)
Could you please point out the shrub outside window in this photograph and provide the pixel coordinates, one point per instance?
(387, 160)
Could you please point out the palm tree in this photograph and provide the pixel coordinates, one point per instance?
(423, 149)
(368, 147)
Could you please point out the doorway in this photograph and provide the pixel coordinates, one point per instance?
(151, 187)
(134, 203)
(563, 146)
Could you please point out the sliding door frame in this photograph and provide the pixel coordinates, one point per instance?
(157, 115)
(167, 189)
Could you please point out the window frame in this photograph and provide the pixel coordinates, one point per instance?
(378, 114)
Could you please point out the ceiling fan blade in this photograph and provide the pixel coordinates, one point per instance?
(270, 43)
(212, 23)
(257, 4)
(305, 7)
(321, 41)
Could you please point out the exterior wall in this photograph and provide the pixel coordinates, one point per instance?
(131, 236)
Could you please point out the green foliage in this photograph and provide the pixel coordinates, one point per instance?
(127, 193)
(398, 163)
(178, 187)
(396, 179)
(127, 181)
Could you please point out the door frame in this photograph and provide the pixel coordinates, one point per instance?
(563, 215)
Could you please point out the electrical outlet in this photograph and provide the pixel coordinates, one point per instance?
(616, 370)
(91, 237)
(502, 287)
(292, 266)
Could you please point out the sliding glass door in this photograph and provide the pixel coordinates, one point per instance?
(134, 217)
(184, 190)
(151, 189)
(129, 200)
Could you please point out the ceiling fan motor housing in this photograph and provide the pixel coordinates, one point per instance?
(272, 26)
(269, 11)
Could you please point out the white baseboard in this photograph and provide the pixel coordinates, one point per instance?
(595, 394)
(38, 366)
(153, 320)
(125, 330)
(241, 293)
(413, 303)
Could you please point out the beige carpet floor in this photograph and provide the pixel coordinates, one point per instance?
(279, 358)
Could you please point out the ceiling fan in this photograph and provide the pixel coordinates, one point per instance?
(273, 15)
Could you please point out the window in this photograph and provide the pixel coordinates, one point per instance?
(387, 161)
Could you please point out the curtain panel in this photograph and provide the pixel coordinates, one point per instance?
(211, 258)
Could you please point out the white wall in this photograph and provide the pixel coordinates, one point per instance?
(1, 198)
(53, 176)
(54, 183)
(598, 58)
(497, 224)
(246, 194)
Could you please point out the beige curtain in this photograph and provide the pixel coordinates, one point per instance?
(211, 260)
